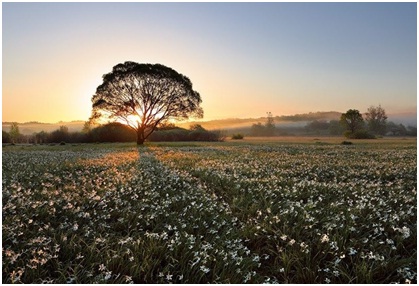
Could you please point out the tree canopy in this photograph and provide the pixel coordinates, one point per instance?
(352, 120)
(144, 96)
(376, 119)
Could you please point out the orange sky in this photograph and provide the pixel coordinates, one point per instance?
(245, 59)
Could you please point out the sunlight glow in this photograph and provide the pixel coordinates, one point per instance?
(131, 120)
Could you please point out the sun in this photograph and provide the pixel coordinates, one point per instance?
(131, 120)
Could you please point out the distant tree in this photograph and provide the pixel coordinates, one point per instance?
(269, 125)
(335, 128)
(396, 129)
(112, 132)
(41, 137)
(60, 135)
(87, 127)
(268, 129)
(376, 120)
(412, 131)
(5, 137)
(166, 126)
(144, 96)
(257, 129)
(317, 126)
(199, 133)
(196, 127)
(352, 120)
(14, 132)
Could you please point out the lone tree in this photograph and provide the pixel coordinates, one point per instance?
(352, 120)
(144, 96)
(376, 120)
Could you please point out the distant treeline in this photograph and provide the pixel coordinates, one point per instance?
(320, 128)
(111, 132)
(308, 116)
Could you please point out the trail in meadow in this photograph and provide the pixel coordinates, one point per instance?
(114, 216)
(199, 231)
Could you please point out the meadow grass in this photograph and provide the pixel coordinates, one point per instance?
(256, 211)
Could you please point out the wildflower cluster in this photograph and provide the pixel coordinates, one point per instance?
(322, 213)
(209, 214)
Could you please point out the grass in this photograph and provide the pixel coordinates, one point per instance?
(253, 211)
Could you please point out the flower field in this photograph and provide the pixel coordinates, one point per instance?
(210, 213)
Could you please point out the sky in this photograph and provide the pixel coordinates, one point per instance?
(245, 59)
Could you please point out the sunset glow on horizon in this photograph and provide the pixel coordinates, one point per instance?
(245, 59)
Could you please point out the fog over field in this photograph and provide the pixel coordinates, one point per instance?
(296, 120)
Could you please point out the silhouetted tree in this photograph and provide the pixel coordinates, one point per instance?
(166, 126)
(60, 135)
(87, 127)
(145, 95)
(257, 129)
(112, 132)
(41, 137)
(376, 120)
(5, 137)
(268, 129)
(269, 125)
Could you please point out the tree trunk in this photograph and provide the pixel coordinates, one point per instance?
(140, 137)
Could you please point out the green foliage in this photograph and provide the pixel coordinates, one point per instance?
(220, 213)
(352, 120)
(14, 132)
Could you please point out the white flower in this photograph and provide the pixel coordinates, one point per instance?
(405, 231)
(102, 267)
(324, 238)
(108, 275)
(352, 251)
(79, 256)
(204, 269)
